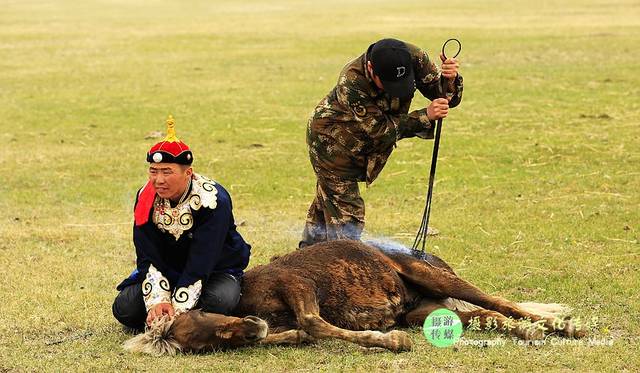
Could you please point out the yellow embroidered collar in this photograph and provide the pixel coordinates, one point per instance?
(176, 220)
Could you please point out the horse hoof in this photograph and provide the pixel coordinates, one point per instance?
(529, 333)
(304, 337)
(257, 329)
(399, 341)
(570, 331)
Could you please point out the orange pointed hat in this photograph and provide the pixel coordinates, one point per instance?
(171, 149)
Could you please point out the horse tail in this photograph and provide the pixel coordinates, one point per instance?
(546, 309)
(157, 340)
(550, 310)
(460, 305)
(398, 251)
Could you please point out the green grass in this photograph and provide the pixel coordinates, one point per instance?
(537, 186)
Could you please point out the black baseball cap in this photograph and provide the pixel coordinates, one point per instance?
(391, 62)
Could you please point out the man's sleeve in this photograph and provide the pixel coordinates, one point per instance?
(383, 129)
(429, 78)
(205, 251)
(155, 286)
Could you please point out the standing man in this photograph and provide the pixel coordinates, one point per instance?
(189, 254)
(354, 129)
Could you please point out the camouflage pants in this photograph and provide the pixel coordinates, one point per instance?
(336, 212)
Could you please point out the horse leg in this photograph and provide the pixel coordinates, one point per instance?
(299, 294)
(440, 283)
(289, 337)
(485, 319)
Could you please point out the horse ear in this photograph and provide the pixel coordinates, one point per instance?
(224, 334)
(275, 257)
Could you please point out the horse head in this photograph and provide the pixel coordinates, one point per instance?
(197, 331)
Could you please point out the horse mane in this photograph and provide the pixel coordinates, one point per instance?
(157, 339)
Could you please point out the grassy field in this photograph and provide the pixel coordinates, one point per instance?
(538, 185)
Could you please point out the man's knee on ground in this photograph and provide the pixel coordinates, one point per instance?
(128, 308)
(221, 294)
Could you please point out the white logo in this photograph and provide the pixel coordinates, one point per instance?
(401, 71)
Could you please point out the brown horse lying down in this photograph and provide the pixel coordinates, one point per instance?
(348, 290)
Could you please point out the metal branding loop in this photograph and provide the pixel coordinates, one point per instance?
(445, 45)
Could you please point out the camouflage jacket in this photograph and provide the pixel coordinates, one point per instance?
(353, 130)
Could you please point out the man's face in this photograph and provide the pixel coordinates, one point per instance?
(170, 179)
(374, 77)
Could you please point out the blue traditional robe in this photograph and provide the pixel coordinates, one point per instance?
(179, 247)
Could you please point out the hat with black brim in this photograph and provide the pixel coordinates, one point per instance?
(392, 63)
(171, 149)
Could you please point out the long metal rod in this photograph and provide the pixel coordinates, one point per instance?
(421, 236)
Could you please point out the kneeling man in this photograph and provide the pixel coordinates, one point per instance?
(189, 254)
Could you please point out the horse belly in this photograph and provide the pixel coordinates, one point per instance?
(363, 298)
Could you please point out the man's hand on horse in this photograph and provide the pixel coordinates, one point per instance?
(449, 67)
(438, 108)
(160, 310)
